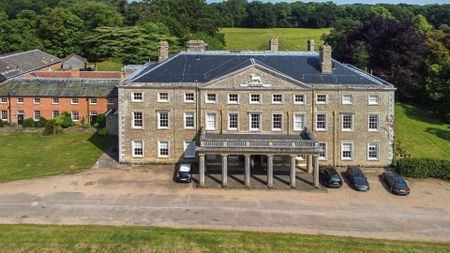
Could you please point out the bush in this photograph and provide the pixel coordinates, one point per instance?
(423, 168)
(28, 122)
(41, 123)
(52, 128)
(85, 126)
(103, 132)
(3, 123)
(100, 122)
(64, 119)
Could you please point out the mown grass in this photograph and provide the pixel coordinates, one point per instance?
(421, 133)
(110, 64)
(29, 155)
(291, 39)
(50, 238)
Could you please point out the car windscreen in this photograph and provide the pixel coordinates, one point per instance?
(184, 174)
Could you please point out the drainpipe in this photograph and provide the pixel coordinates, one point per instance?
(87, 113)
(9, 108)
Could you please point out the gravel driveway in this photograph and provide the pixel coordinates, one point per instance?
(150, 198)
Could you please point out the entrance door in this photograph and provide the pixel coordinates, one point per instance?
(20, 117)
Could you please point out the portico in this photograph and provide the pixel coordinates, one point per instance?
(264, 146)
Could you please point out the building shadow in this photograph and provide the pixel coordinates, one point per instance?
(441, 133)
(107, 144)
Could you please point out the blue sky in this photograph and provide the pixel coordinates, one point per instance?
(360, 1)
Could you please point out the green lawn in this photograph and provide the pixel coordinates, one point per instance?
(34, 238)
(111, 64)
(29, 155)
(292, 39)
(421, 133)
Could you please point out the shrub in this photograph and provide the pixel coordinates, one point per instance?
(100, 122)
(85, 125)
(28, 122)
(52, 128)
(41, 123)
(423, 168)
(3, 123)
(64, 119)
(102, 132)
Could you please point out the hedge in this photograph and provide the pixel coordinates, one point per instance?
(423, 168)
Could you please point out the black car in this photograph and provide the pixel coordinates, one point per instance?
(330, 177)
(184, 173)
(396, 183)
(357, 179)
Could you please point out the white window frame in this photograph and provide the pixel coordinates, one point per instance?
(185, 114)
(352, 151)
(250, 121)
(110, 101)
(254, 102)
(326, 122)
(163, 100)
(72, 116)
(352, 122)
(344, 101)
(3, 100)
(211, 101)
(186, 145)
(133, 148)
(233, 102)
(6, 115)
(37, 101)
(303, 122)
(74, 101)
(277, 102)
(207, 126)
(55, 99)
(378, 122)
(189, 101)
(134, 120)
(53, 114)
(325, 157)
(159, 149)
(23, 100)
(229, 121)
(377, 102)
(159, 120)
(299, 102)
(133, 99)
(321, 102)
(93, 101)
(378, 151)
(34, 115)
(281, 122)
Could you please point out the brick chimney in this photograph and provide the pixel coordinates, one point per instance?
(326, 65)
(311, 44)
(273, 44)
(163, 51)
(196, 46)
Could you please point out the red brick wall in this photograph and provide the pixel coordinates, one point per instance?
(46, 107)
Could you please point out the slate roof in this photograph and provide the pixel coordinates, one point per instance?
(2, 78)
(40, 87)
(15, 64)
(201, 67)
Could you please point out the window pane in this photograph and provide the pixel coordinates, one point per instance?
(233, 121)
(321, 121)
(189, 120)
(277, 121)
(211, 121)
(255, 121)
(299, 120)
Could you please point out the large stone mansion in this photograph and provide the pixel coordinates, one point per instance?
(202, 105)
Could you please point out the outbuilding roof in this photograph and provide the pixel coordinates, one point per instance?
(15, 64)
(201, 67)
(52, 87)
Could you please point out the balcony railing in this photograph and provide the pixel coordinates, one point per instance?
(260, 143)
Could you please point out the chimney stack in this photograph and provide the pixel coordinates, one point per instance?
(325, 59)
(196, 46)
(273, 44)
(163, 51)
(311, 44)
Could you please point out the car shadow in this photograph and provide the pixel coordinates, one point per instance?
(384, 184)
(344, 177)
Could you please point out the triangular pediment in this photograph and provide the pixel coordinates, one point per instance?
(256, 76)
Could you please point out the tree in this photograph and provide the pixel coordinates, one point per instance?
(260, 15)
(95, 14)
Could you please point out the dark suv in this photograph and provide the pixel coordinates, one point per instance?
(357, 179)
(396, 183)
(330, 177)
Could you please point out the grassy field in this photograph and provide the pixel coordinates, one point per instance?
(111, 64)
(29, 155)
(421, 133)
(293, 39)
(34, 238)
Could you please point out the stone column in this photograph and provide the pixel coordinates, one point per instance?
(247, 170)
(293, 167)
(201, 164)
(316, 171)
(270, 171)
(309, 164)
(224, 170)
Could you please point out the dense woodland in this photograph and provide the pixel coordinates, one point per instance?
(407, 45)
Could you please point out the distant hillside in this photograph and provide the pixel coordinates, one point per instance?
(293, 39)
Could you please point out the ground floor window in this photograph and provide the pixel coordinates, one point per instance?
(163, 149)
(347, 151)
(54, 114)
(189, 149)
(323, 151)
(4, 115)
(37, 115)
(138, 148)
(92, 116)
(373, 151)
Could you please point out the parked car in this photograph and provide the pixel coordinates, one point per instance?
(357, 179)
(184, 174)
(330, 177)
(396, 183)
